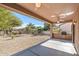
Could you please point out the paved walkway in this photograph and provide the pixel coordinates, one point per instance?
(52, 47)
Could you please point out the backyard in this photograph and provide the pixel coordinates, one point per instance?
(19, 32)
(14, 37)
(24, 41)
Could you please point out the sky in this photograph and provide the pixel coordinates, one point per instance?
(27, 19)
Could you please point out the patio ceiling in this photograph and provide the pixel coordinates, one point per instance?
(50, 12)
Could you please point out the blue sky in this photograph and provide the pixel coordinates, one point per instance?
(26, 19)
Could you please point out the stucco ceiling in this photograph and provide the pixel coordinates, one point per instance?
(52, 12)
(48, 10)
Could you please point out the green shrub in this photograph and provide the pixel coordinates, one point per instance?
(34, 31)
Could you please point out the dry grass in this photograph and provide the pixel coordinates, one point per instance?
(9, 47)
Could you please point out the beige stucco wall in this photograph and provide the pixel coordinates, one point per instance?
(66, 27)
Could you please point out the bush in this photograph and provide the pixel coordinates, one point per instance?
(39, 29)
(31, 29)
(34, 31)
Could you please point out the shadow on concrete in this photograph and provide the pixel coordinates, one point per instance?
(41, 51)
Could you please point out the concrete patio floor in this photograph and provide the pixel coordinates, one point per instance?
(52, 47)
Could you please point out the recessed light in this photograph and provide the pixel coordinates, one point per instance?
(53, 16)
(38, 5)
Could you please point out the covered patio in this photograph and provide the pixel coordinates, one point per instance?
(53, 13)
(51, 47)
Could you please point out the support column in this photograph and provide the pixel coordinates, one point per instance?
(51, 33)
(73, 32)
(76, 30)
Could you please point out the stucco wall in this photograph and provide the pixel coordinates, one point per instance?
(66, 27)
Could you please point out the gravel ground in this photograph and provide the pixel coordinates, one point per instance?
(11, 46)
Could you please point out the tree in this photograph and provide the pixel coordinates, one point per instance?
(13, 22)
(30, 28)
(46, 26)
(31, 25)
(8, 20)
(40, 29)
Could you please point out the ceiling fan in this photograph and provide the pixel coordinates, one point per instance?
(60, 17)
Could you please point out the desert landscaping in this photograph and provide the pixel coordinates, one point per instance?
(24, 41)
